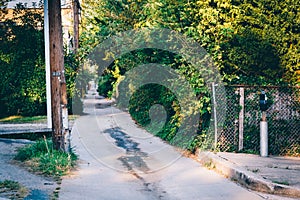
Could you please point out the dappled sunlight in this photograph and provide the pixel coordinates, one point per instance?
(10, 118)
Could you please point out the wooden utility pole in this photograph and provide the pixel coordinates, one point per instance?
(57, 74)
(76, 8)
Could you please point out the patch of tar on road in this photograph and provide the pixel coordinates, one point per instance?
(134, 156)
(133, 160)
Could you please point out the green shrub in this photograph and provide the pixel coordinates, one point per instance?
(105, 85)
(33, 150)
(56, 163)
(41, 157)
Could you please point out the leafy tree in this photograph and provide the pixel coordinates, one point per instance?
(251, 42)
(216, 25)
(22, 64)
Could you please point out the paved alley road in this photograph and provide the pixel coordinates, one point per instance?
(119, 160)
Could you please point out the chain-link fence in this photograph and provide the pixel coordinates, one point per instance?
(240, 127)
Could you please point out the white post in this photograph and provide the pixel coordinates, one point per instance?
(215, 113)
(263, 138)
(47, 62)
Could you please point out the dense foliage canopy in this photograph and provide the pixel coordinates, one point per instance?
(22, 63)
(251, 42)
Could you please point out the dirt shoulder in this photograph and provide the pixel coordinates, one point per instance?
(39, 187)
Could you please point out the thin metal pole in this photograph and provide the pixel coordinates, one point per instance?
(264, 139)
(241, 119)
(215, 113)
(47, 62)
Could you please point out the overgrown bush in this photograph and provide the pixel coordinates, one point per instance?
(22, 64)
(105, 85)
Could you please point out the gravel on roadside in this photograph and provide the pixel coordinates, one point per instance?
(40, 188)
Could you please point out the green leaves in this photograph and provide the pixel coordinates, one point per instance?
(250, 42)
(22, 65)
(41, 157)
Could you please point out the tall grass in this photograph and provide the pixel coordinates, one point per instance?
(41, 157)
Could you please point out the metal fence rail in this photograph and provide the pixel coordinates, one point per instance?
(239, 130)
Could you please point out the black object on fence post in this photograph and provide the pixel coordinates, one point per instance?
(263, 125)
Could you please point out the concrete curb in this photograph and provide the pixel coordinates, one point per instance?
(13, 132)
(246, 178)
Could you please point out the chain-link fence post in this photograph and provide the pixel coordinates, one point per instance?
(241, 119)
(215, 114)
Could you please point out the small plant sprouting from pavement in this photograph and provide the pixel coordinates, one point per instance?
(40, 157)
(209, 165)
(12, 190)
(281, 182)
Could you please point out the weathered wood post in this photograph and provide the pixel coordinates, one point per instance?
(57, 73)
(76, 7)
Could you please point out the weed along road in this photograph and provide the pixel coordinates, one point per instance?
(119, 160)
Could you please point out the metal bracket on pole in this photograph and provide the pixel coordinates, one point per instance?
(56, 74)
